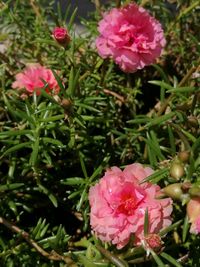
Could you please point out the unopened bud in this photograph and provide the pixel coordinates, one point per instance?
(185, 106)
(184, 156)
(177, 170)
(61, 36)
(66, 104)
(49, 166)
(193, 122)
(152, 242)
(174, 191)
(194, 191)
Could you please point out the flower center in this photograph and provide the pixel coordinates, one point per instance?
(126, 33)
(129, 199)
(127, 205)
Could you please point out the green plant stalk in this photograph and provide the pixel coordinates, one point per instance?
(181, 83)
(112, 258)
(53, 255)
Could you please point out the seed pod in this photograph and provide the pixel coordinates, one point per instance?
(177, 170)
(174, 191)
(184, 156)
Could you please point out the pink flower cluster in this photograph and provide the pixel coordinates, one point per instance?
(33, 78)
(118, 204)
(193, 212)
(131, 37)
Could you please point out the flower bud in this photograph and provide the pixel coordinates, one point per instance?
(185, 106)
(193, 122)
(184, 156)
(152, 242)
(61, 36)
(194, 191)
(174, 191)
(66, 104)
(176, 170)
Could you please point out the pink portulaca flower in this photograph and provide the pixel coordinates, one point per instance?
(33, 78)
(61, 35)
(131, 37)
(193, 212)
(118, 204)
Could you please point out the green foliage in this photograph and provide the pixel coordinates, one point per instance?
(53, 148)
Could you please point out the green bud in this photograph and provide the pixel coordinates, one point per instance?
(194, 191)
(174, 191)
(177, 170)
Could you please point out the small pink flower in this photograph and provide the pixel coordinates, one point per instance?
(33, 78)
(193, 212)
(118, 204)
(131, 37)
(61, 35)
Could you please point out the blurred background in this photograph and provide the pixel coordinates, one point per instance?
(85, 7)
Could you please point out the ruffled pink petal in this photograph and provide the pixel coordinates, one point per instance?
(118, 204)
(33, 78)
(131, 37)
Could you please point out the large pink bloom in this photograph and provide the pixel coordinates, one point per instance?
(131, 37)
(33, 78)
(193, 212)
(118, 203)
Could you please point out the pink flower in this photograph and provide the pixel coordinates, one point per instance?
(131, 37)
(61, 35)
(33, 78)
(118, 204)
(193, 212)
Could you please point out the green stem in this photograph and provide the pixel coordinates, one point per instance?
(181, 135)
(51, 256)
(112, 258)
(140, 260)
(181, 83)
(181, 14)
